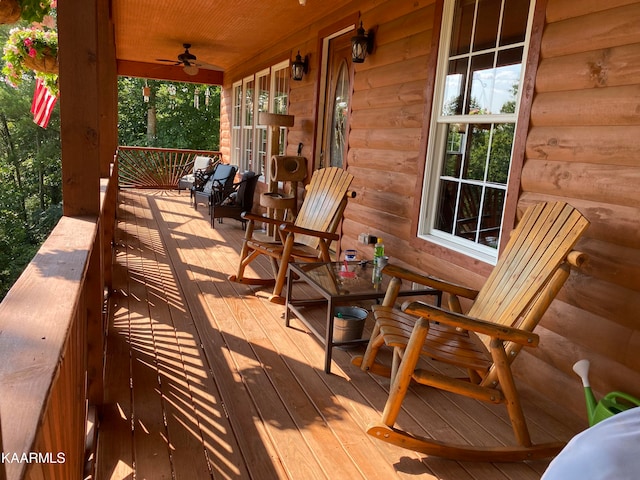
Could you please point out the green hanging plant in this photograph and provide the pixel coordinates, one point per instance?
(36, 10)
(32, 49)
(30, 10)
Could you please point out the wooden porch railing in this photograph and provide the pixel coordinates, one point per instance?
(52, 330)
(146, 167)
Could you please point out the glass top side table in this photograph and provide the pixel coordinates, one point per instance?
(336, 287)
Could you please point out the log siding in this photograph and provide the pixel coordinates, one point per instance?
(579, 145)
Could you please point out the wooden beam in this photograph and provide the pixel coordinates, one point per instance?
(79, 106)
(108, 87)
(168, 72)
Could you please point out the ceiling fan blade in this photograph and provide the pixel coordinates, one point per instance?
(209, 66)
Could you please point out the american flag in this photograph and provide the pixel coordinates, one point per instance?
(42, 105)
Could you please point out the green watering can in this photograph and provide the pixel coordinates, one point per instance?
(611, 403)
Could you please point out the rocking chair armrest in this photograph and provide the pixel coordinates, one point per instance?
(458, 320)
(436, 283)
(291, 228)
(254, 217)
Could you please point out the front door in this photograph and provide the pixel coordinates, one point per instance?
(337, 93)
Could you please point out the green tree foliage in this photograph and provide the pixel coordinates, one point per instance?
(30, 168)
(172, 108)
(30, 181)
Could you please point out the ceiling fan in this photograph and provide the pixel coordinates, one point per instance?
(189, 61)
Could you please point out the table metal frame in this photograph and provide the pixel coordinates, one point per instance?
(333, 299)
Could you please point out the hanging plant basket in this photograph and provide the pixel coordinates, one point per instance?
(32, 49)
(46, 63)
(9, 11)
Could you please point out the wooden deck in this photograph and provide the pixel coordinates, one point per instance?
(204, 381)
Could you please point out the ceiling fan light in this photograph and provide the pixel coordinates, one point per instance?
(191, 70)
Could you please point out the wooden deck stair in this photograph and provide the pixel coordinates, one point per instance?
(204, 380)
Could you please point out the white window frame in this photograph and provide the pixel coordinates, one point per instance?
(247, 150)
(437, 139)
(247, 144)
(260, 139)
(236, 122)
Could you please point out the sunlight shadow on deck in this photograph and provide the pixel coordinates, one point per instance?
(208, 380)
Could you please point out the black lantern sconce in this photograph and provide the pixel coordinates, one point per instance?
(361, 44)
(299, 67)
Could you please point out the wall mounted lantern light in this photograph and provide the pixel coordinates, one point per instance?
(361, 44)
(299, 67)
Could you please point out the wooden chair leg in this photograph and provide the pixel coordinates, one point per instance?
(508, 386)
(395, 361)
(281, 277)
(275, 267)
(402, 379)
(367, 362)
(244, 253)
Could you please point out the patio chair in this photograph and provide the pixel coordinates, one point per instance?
(217, 187)
(307, 239)
(200, 166)
(239, 200)
(485, 341)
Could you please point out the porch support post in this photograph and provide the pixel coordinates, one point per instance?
(108, 88)
(88, 118)
(79, 106)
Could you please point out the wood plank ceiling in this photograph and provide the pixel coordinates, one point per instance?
(224, 34)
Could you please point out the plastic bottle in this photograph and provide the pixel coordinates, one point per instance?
(378, 255)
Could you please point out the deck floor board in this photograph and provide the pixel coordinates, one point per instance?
(203, 380)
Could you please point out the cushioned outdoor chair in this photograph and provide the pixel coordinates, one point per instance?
(483, 342)
(237, 202)
(217, 187)
(201, 165)
(307, 239)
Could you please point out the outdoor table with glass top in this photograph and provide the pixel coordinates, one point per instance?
(339, 287)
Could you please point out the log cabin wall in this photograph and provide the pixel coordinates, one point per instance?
(581, 147)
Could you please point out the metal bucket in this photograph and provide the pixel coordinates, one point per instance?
(348, 323)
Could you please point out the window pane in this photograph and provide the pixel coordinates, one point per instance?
(482, 80)
(453, 157)
(454, 87)
(237, 105)
(261, 154)
(478, 148)
(339, 120)
(248, 103)
(507, 80)
(462, 27)
(500, 155)
(513, 30)
(492, 206)
(247, 149)
(263, 93)
(281, 91)
(447, 200)
(468, 211)
(486, 34)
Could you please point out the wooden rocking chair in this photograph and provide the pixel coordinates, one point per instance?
(485, 341)
(307, 239)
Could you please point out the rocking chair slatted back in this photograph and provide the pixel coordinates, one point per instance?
(324, 203)
(538, 246)
(307, 239)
